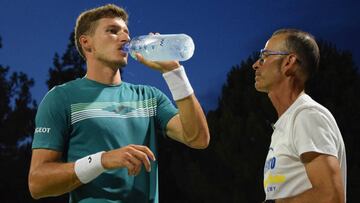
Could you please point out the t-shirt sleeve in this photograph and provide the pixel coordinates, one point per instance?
(165, 109)
(313, 133)
(51, 126)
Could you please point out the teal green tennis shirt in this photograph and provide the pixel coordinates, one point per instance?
(83, 117)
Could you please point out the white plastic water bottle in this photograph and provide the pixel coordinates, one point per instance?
(169, 47)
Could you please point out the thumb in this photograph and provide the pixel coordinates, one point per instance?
(148, 63)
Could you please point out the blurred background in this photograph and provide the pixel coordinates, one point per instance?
(37, 52)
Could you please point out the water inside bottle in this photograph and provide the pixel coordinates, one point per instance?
(161, 47)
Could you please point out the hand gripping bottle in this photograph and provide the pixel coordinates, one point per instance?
(169, 47)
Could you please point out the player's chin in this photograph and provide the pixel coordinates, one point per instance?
(122, 66)
(259, 88)
(122, 62)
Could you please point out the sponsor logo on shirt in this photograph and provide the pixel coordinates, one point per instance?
(271, 181)
(122, 110)
(42, 130)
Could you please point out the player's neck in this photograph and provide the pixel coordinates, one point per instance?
(104, 74)
(283, 99)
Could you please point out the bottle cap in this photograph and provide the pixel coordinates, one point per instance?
(126, 47)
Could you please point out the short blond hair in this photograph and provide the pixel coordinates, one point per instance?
(87, 21)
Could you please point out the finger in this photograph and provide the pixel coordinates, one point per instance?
(143, 154)
(142, 158)
(134, 160)
(130, 167)
(146, 150)
(142, 60)
(131, 162)
(137, 171)
(139, 57)
(135, 167)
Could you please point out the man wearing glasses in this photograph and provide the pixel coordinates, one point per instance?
(306, 161)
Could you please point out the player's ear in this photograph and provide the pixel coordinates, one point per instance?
(289, 64)
(85, 42)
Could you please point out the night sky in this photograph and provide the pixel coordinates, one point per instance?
(225, 32)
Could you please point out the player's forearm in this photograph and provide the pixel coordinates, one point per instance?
(52, 179)
(194, 131)
(195, 128)
(317, 195)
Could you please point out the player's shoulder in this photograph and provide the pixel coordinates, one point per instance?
(310, 108)
(141, 88)
(60, 91)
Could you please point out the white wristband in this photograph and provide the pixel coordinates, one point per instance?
(89, 167)
(178, 83)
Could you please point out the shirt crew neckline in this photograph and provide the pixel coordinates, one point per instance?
(96, 83)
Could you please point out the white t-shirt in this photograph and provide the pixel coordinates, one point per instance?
(306, 126)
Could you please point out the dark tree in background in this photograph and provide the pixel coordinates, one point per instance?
(70, 67)
(17, 113)
(17, 117)
(231, 169)
(337, 87)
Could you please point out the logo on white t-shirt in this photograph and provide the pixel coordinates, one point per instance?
(271, 180)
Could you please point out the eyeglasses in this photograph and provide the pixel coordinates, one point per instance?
(265, 53)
